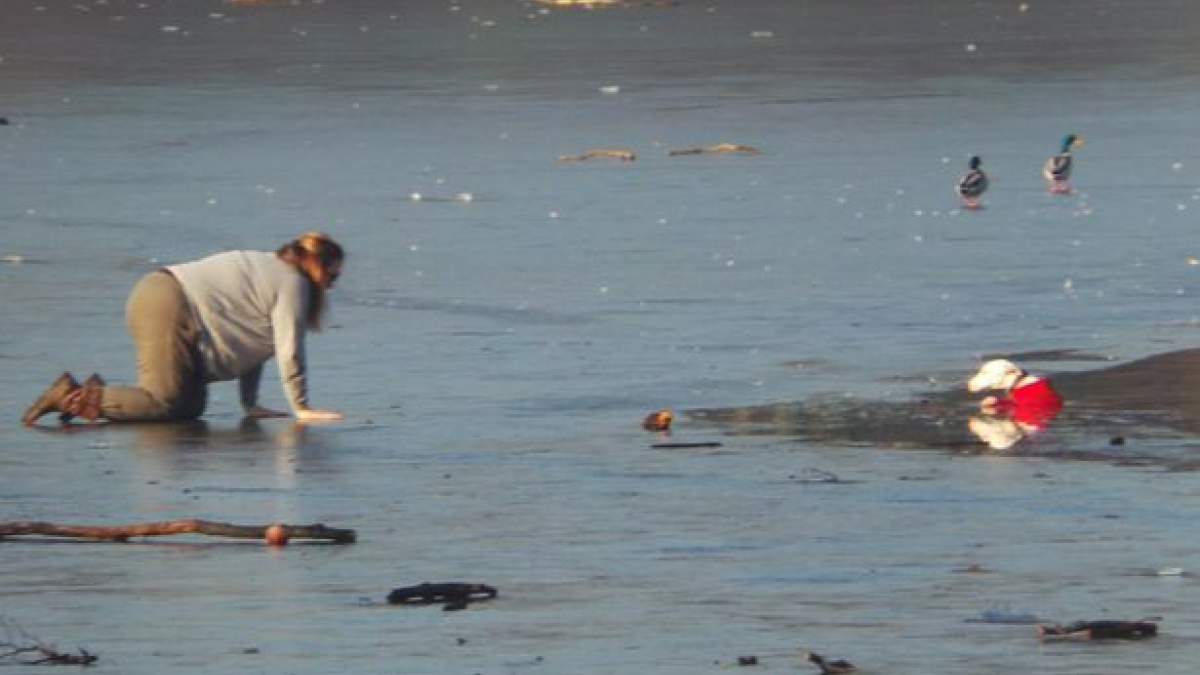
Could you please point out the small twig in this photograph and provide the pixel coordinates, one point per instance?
(62, 659)
(811, 475)
(716, 149)
(49, 655)
(615, 153)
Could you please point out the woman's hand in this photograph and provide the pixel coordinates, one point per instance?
(258, 412)
(312, 415)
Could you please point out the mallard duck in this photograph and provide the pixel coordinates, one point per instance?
(974, 184)
(828, 667)
(1057, 169)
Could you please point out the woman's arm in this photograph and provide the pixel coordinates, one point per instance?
(290, 332)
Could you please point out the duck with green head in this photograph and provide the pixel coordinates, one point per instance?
(1057, 169)
(973, 184)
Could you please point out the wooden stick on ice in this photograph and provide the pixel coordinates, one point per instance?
(276, 534)
(616, 153)
(716, 149)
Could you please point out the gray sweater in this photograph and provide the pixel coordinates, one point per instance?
(250, 306)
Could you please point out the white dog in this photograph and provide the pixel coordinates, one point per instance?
(1027, 399)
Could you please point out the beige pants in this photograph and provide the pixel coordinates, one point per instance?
(170, 384)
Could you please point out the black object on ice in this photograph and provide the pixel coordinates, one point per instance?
(829, 666)
(1100, 630)
(452, 595)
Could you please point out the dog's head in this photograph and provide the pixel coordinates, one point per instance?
(996, 374)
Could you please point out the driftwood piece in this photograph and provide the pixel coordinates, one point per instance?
(453, 595)
(615, 153)
(719, 148)
(601, 4)
(123, 533)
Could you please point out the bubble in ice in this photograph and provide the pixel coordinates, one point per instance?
(610, 89)
(1178, 166)
(414, 196)
(970, 47)
(464, 197)
(762, 34)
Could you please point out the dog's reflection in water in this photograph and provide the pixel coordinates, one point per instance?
(1000, 433)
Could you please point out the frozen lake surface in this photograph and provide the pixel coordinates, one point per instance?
(815, 309)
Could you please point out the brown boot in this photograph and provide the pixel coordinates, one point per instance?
(84, 402)
(51, 400)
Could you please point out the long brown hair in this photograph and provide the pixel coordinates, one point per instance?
(314, 254)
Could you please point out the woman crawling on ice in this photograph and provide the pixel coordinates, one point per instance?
(216, 319)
